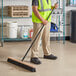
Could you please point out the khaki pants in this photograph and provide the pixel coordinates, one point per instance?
(45, 36)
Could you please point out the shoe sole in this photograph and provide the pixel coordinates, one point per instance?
(50, 58)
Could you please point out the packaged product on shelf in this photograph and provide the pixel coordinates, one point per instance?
(61, 3)
(12, 29)
(30, 32)
(24, 32)
(53, 18)
(72, 2)
(75, 2)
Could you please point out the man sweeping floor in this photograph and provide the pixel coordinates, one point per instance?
(40, 12)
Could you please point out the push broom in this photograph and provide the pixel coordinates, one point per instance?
(26, 65)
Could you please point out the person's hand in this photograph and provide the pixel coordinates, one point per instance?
(56, 5)
(44, 22)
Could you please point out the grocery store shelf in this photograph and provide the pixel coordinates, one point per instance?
(7, 17)
(57, 32)
(71, 6)
(16, 39)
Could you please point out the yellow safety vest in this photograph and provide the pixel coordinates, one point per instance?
(44, 10)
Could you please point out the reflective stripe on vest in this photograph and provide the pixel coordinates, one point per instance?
(42, 9)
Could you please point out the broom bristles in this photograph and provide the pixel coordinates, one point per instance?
(24, 65)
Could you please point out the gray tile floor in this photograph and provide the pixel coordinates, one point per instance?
(65, 65)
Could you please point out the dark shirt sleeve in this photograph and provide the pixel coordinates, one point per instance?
(34, 2)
